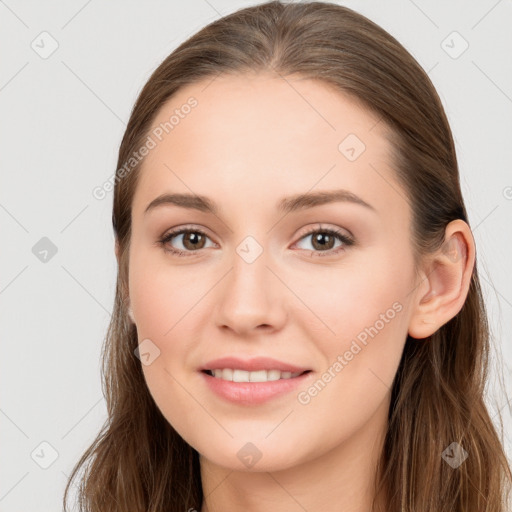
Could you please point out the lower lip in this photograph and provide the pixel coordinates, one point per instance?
(251, 393)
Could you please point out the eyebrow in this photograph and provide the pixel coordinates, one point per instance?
(285, 205)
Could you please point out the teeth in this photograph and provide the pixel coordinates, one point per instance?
(257, 376)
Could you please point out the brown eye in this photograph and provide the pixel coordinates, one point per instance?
(324, 240)
(191, 240)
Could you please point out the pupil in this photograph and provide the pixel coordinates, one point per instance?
(319, 239)
(192, 239)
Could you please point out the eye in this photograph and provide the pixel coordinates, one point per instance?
(192, 239)
(324, 238)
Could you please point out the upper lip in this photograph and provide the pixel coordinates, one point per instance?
(253, 364)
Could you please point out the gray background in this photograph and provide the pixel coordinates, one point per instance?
(63, 117)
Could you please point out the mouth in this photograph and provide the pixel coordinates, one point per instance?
(249, 388)
(236, 375)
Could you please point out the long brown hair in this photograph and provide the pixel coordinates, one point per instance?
(138, 462)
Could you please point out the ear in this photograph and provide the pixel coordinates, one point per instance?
(446, 276)
(130, 313)
(126, 299)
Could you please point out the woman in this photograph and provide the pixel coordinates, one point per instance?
(298, 321)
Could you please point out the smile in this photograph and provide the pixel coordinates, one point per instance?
(246, 392)
(236, 375)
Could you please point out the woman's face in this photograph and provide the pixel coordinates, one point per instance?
(254, 282)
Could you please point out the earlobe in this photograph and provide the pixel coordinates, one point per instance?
(130, 314)
(127, 300)
(446, 280)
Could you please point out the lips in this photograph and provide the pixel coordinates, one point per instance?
(254, 393)
(253, 364)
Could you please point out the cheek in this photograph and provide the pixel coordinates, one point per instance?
(163, 300)
(163, 296)
(360, 326)
(345, 300)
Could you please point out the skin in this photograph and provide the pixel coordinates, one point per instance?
(249, 142)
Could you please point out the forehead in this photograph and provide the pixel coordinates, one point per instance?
(264, 137)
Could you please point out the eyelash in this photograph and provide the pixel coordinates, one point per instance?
(347, 241)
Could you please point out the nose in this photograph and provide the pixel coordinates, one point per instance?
(251, 298)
